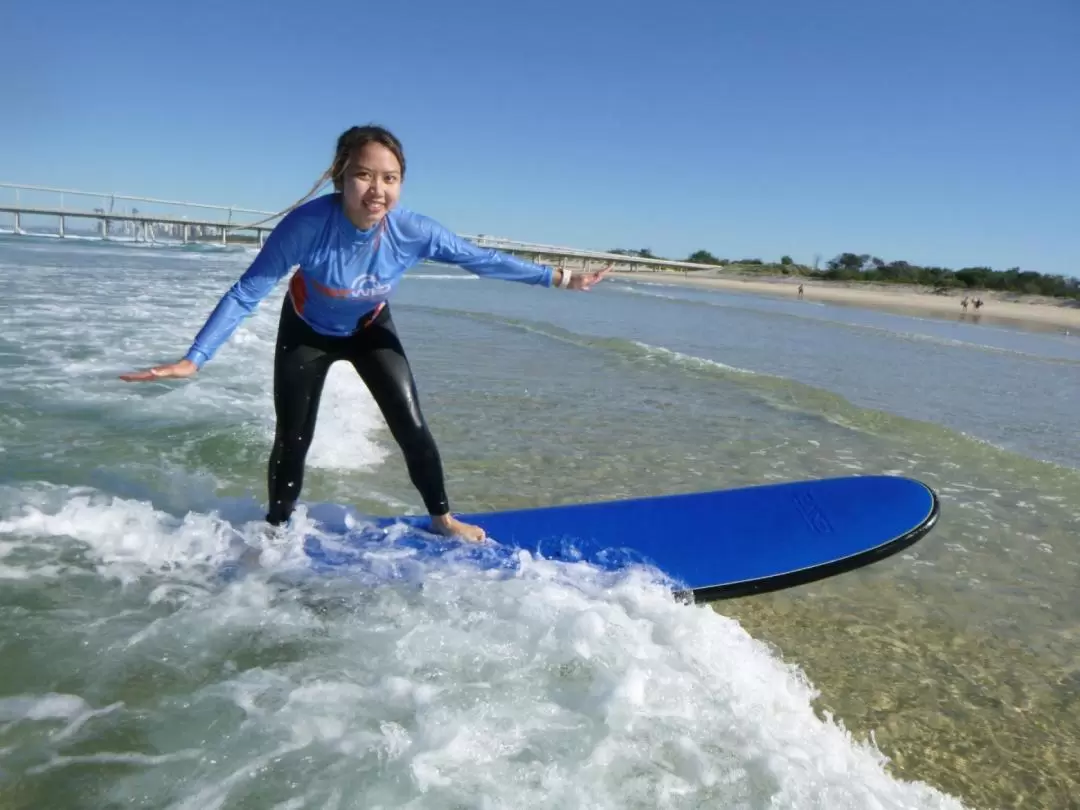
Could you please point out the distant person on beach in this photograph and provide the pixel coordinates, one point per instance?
(800, 291)
(964, 304)
(351, 249)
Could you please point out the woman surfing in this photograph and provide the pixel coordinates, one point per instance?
(351, 249)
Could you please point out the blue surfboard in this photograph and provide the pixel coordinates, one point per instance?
(715, 545)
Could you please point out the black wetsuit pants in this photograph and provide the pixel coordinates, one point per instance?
(301, 360)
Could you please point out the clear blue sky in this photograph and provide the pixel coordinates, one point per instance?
(937, 131)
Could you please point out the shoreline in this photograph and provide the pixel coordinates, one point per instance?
(1032, 312)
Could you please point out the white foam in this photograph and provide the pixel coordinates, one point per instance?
(636, 290)
(349, 422)
(128, 538)
(113, 758)
(135, 324)
(548, 686)
(689, 360)
(41, 707)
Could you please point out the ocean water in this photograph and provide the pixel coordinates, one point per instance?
(133, 676)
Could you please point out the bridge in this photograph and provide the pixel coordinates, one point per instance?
(45, 211)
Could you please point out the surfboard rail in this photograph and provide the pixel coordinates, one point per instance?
(711, 545)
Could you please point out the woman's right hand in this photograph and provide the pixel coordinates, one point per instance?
(182, 368)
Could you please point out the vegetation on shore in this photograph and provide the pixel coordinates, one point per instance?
(864, 267)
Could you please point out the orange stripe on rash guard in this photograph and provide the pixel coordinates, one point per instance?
(298, 292)
(332, 292)
(369, 319)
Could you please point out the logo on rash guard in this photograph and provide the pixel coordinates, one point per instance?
(368, 286)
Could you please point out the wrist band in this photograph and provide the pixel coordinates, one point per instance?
(564, 282)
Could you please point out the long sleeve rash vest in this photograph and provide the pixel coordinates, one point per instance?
(343, 273)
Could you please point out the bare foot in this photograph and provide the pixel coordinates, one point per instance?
(450, 526)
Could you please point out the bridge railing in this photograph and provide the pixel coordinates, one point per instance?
(110, 215)
(121, 205)
(95, 214)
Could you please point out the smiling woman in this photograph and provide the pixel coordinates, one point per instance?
(371, 180)
(351, 249)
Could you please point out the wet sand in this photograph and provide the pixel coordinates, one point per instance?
(1037, 312)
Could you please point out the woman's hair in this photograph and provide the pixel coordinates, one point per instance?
(357, 138)
(348, 142)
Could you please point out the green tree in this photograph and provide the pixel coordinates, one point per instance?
(702, 257)
(846, 263)
(863, 267)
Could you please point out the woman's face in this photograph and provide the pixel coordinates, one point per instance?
(371, 184)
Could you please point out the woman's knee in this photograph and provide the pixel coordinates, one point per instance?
(291, 443)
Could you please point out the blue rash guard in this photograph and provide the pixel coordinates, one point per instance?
(343, 273)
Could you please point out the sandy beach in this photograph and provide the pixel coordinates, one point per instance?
(1029, 311)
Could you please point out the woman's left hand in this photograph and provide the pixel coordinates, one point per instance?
(586, 281)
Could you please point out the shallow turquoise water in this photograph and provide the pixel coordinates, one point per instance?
(135, 675)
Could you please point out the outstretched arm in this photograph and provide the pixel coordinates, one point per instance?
(284, 248)
(445, 246)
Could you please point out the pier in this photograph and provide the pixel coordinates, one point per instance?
(45, 211)
(48, 212)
